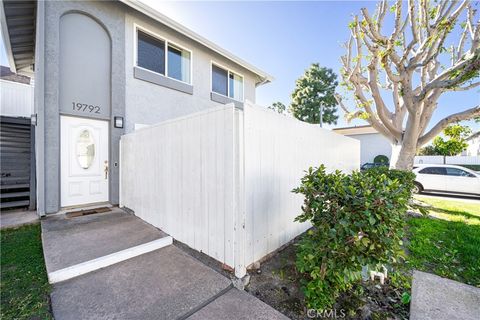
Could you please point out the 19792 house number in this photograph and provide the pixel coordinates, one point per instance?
(83, 107)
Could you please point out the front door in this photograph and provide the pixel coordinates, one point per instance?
(84, 161)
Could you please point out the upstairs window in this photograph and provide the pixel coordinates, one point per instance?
(219, 80)
(163, 57)
(227, 83)
(178, 63)
(151, 53)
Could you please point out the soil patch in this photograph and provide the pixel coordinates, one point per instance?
(278, 284)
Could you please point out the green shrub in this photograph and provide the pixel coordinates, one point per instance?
(358, 220)
(381, 159)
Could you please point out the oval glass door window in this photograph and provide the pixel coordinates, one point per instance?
(85, 149)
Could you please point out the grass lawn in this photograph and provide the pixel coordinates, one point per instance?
(24, 285)
(448, 245)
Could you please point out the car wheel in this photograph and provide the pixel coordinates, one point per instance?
(417, 188)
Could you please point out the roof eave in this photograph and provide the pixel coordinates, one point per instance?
(6, 39)
(154, 14)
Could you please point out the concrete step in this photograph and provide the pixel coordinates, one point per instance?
(108, 260)
(71, 241)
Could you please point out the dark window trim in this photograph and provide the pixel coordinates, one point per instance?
(161, 80)
(220, 98)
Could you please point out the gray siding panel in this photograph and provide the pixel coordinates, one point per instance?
(156, 78)
(224, 100)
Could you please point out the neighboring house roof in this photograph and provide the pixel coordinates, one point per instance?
(18, 30)
(154, 14)
(473, 136)
(7, 74)
(365, 129)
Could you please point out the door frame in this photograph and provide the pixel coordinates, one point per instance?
(109, 151)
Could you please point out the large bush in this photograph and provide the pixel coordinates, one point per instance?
(358, 220)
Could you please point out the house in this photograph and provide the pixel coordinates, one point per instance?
(473, 148)
(372, 143)
(134, 109)
(17, 142)
(102, 68)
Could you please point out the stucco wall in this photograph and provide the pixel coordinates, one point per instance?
(111, 15)
(138, 101)
(149, 103)
(372, 145)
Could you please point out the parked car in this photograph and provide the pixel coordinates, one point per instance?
(446, 179)
(370, 165)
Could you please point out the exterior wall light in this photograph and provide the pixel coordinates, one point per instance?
(33, 119)
(118, 122)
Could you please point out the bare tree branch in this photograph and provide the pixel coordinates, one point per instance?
(412, 66)
(471, 86)
(442, 124)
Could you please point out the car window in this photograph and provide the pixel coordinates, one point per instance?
(458, 172)
(433, 170)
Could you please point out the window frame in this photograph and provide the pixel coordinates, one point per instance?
(218, 65)
(434, 174)
(468, 174)
(136, 29)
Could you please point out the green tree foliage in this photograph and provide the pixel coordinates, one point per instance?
(427, 151)
(278, 107)
(456, 142)
(358, 220)
(316, 87)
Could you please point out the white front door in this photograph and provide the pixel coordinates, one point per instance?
(84, 161)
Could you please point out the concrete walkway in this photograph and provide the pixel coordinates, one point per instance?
(438, 298)
(163, 284)
(17, 218)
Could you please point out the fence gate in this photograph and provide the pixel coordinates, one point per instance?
(17, 163)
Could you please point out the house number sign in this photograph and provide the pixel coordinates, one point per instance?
(84, 107)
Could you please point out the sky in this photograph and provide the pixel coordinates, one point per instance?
(285, 38)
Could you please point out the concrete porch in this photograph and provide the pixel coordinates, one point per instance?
(165, 283)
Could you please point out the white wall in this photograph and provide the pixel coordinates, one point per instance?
(473, 148)
(278, 150)
(221, 180)
(16, 99)
(372, 145)
(448, 160)
(178, 176)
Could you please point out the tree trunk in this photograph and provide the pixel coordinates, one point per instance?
(402, 157)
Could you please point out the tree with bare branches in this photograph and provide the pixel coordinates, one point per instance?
(397, 80)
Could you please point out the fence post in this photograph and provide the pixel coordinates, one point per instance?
(239, 196)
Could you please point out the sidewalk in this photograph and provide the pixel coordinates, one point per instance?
(17, 218)
(438, 298)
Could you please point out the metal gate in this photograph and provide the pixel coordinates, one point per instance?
(17, 163)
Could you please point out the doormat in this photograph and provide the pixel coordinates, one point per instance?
(80, 213)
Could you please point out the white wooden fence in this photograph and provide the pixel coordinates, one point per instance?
(448, 160)
(16, 99)
(221, 180)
